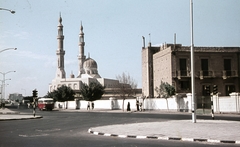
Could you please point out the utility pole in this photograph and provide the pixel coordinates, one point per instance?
(192, 66)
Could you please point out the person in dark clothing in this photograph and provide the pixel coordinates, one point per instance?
(128, 107)
(88, 106)
(92, 105)
(137, 104)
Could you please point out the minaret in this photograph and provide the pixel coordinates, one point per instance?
(60, 74)
(81, 56)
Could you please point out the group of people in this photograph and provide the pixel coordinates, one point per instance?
(88, 105)
(138, 105)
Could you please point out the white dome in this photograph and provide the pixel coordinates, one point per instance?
(90, 68)
(90, 63)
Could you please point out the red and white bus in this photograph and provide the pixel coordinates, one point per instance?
(45, 104)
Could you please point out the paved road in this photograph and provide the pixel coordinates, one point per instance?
(61, 128)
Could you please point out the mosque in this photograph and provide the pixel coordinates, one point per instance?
(88, 69)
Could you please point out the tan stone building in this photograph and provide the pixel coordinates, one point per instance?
(171, 63)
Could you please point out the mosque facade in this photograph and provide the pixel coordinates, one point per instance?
(87, 72)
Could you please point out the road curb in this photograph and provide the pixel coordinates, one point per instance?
(164, 138)
(36, 117)
(9, 112)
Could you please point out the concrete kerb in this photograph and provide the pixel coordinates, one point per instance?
(164, 138)
(187, 132)
(18, 117)
(7, 114)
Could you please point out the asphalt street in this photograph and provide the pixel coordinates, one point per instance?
(70, 128)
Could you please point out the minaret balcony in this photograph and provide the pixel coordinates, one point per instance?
(60, 52)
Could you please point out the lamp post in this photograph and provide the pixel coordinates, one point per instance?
(2, 101)
(2, 86)
(8, 10)
(3, 83)
(192, 66)
(8, 49)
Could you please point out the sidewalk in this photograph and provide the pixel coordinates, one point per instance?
(7, 114)
(7, 111)
(216, 131)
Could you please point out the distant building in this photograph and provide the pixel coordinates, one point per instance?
(88, 69)
(15, 96)
(171, 63)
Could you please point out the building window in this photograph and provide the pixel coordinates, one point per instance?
(229, 89)
(185, 85)
(227, 66)
(183, 67)
(206, 90)
(204, 67)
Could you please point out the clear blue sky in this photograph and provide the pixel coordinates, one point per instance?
(113, 34)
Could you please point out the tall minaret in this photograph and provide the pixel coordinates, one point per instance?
(81, 56)
(60, 74)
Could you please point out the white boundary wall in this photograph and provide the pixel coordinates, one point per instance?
(227, 103)
(221, 104)
(173, 103)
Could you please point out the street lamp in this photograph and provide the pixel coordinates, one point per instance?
(2, 87)
(8, 10)
(192, 66)
(3, 83)
(8, 49)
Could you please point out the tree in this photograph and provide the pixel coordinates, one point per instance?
(62, 94)
(126, 87)
(165, 90)
(49, 95)
(92, 92)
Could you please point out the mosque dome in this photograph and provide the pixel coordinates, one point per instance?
(90, 68)
(90, 63)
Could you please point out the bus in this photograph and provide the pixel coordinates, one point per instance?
(45, 104)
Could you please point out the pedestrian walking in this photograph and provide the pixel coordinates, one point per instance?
(128, 107)
(140, 106)
(137, 104)
(88, 106)
(92, 105)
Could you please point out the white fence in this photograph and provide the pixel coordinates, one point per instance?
(227, 103)
(221, 104)
(173, 104)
